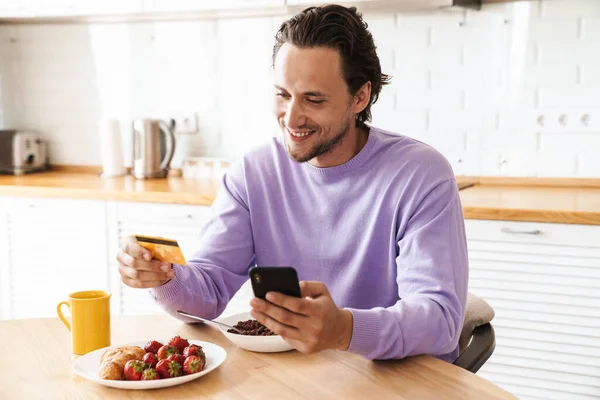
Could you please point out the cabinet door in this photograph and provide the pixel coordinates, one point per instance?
(4, 260)
(61, 8)
(56, 247)
(64, 8)
(14, 8)
(204, 5)
(542, 281)
(50, 8)
(179, 222)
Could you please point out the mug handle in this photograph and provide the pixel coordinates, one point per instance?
(60, 314)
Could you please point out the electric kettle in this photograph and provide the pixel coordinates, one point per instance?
(153, 148)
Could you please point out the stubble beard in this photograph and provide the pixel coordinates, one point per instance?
(321, 147)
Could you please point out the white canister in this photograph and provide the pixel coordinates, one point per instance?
(111, 148)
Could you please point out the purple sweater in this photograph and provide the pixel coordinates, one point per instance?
(384, 232)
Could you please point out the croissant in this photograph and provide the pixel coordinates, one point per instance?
(113, 361)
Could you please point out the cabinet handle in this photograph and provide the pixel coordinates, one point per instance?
(519, 232)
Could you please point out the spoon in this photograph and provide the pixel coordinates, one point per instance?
(208, 320)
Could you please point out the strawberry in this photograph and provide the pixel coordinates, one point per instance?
(192, 350)
(178, 358)
(168, 369)
(150, 359)
(165, 351)
(152, 346)
(179, 342)
(192, 365)
(150, 374)
(133, 370)
(195, 350)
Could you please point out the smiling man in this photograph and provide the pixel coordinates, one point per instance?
(370, 219)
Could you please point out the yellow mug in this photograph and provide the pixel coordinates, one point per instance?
(90, 320)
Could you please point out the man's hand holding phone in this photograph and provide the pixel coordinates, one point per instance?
(310, 323)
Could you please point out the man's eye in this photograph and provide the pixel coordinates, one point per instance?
(313, 101)
(279, 94)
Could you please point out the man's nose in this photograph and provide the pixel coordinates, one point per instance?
(294, 115)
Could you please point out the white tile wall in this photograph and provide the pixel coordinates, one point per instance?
(473, 84)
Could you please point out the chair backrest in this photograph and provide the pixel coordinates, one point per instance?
(477, 339)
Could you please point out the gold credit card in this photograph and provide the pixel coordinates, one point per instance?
(162, 249)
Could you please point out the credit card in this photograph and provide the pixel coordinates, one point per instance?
(162, 249)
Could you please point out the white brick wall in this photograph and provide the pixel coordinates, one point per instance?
(473, 84)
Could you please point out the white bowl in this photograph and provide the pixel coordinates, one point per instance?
(261, 344)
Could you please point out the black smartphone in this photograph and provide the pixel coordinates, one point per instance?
(274, 279)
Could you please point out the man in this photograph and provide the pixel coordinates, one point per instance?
(371, 220)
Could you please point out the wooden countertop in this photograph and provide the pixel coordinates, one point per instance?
(513, 199)
(92, 186)
(41, 368)
(567, 205)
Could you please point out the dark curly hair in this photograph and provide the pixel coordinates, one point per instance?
(341, 28)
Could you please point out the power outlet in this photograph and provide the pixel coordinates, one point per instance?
(565, 121)
(186, 123)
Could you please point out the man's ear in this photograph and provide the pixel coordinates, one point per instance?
(362, 97)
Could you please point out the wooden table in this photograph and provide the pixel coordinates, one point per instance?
(35, 361)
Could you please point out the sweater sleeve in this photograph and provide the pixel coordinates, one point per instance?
(220, 266)
(432, 265)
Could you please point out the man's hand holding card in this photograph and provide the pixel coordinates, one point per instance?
(146, 261)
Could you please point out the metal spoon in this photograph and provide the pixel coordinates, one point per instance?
(208, 320)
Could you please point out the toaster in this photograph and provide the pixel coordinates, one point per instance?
(22, 152)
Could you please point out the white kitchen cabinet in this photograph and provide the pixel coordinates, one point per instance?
(52, 247)
(4, 260)
(78, 8)
(207, 5)
(66, 8)
(355, 3)
(543, 281)
(14, 8)
(105, 7)
(180, 222)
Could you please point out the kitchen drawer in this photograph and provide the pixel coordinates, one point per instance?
(532, 254)
(162, 213)
(534, 233)
(57, 241)
(50, 208)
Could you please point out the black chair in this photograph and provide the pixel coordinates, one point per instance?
(478, 339)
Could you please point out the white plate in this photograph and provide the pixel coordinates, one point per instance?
(88, 367)
(261, 344)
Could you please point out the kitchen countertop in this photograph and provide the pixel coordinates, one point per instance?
(519, 199)
(567, 205)
(92, 186)
(80, 185)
